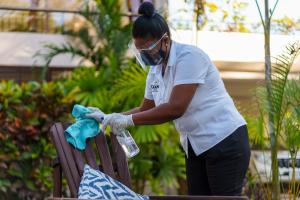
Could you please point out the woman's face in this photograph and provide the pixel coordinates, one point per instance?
(147, 44)
(153, 51)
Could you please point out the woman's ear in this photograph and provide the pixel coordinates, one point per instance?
(166, 39)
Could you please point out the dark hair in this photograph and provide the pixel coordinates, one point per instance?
(149, 24)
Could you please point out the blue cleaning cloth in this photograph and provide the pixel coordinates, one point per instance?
(83, 128)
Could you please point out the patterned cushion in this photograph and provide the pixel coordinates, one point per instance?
(97, 185)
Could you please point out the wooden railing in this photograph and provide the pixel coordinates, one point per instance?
(40, 19)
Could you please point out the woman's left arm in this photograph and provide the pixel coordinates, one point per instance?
(180, 99)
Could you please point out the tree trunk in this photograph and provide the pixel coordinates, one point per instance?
(293, 181)
(273, 135)
(199, 10)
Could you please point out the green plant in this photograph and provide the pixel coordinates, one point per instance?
(291, 129)
(102, 41)
(284, 98)
(160, 162)
(257, 136)
(27, 111)
(89, 86)
(266, 22)
(128, 89)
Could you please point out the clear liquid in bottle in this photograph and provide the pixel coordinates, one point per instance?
(127, 143)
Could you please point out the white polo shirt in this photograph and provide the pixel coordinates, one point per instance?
(211, 115)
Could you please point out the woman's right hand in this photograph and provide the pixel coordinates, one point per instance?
(95, 114)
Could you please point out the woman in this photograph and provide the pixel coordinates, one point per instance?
(183, 85)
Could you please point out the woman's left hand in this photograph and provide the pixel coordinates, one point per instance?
(116, 121)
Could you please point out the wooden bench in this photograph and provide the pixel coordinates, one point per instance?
(70, 162)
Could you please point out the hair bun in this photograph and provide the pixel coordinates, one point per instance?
(147, 9)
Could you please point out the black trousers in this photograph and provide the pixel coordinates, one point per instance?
(220, 170)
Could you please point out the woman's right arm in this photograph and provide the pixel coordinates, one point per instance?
(145, 105)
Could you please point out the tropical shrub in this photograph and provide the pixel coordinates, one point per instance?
(26, 113)
(284, 105)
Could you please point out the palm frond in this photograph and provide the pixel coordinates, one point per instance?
(172, 167)
(292, 132)
(279, 79)
(52, 50)
(131, 84)
(89, 88)
(104, 16)
(91, 15)
(145, 134)
(281, 70)
(293, 93)
(102, 40)
(65, 48)
(256, 131)
(84, 36)
(291, 120)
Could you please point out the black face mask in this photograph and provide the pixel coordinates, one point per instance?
(153, 59)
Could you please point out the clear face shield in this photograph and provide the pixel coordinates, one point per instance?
(144, 56)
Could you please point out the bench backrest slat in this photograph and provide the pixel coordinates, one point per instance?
(103, 151)
(73, 160)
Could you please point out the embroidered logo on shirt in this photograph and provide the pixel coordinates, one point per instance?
(154, 86)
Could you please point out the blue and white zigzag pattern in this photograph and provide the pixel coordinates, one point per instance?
(97, 185)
